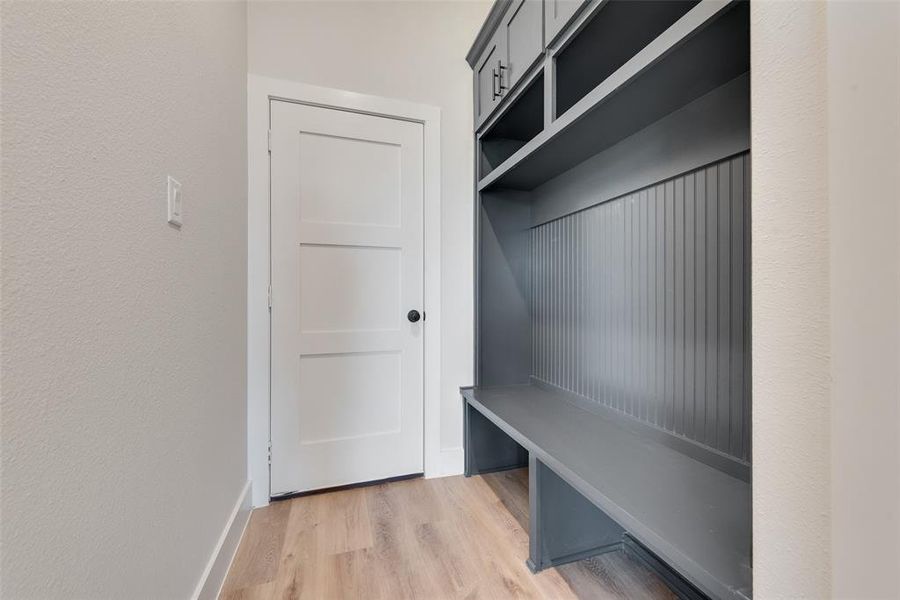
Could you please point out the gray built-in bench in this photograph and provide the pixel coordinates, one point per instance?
(612, 288)
(595, 485)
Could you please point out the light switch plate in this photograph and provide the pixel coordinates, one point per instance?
(174, 196)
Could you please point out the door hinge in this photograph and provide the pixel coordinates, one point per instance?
(270, 453)
(269, 297)
(269, 140)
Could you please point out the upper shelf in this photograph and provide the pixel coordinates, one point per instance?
(706, 48)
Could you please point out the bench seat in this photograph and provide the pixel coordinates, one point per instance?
(692, 516)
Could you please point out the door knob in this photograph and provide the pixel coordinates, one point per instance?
(413, 316)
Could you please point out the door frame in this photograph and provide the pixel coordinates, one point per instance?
(260, 92)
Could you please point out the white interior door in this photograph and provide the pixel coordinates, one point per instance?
(347, 267)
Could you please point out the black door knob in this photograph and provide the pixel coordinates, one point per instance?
(413, 316)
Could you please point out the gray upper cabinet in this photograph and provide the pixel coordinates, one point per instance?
(487, 78)
(557, 13)
(511, 42)
(523, 32)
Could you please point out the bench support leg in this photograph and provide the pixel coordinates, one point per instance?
(564, 525)
(487, 447)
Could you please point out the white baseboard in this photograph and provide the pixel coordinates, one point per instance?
(452, 461)
(217, 568)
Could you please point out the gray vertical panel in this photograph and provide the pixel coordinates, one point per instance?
(579, 304)
(621, 316)
(586, 302)
(628, 303)
(643, 291)
(635, 251)
(736, 272)
(641, 304)
(723, 399)
(679, 306)
(748, 402)
(559, 266)
(700, 307)
(712, 303)
(608, 299)
(651, 305)
(690, 397)
(572, 299)
(546, 312)
(570, 304)
(556, 319)
(542, 311)
(545, 301)
(565, 299)
(597, 332)
(560, 305)
(537, 316)
(590, 303)
(605, 300)
(660, 371)
(670, 306)
(536, 269)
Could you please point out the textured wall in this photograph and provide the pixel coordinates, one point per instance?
(123, 346)
(790, 279)
(864, 205)
(642, 305)
(413, 51)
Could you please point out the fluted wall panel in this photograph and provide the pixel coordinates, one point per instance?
(642, 304)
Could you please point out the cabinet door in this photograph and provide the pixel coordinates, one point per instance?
(557, 14)
(487, 93)
(523, 31)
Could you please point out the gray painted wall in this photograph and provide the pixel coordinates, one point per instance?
(124, 411)
(504, 318)
(641, 304)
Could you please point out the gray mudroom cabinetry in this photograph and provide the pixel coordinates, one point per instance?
(516, 42)
(612, 291)
(487, 89)
(557, 14)
(523, 34)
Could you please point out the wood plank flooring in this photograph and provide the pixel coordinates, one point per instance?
(453, 537)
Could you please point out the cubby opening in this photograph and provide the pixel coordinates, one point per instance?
(700, 57)
(517, 126)
(616, 33)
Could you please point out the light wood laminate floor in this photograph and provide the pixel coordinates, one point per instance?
(453, 537)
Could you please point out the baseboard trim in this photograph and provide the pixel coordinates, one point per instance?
(452, 462)
(213, 577)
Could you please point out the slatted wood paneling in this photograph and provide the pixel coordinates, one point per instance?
(642, 304)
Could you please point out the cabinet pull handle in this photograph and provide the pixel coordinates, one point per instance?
(500, 69)
(496, 76)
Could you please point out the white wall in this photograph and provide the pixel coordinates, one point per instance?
(411, 51)
(123, 346)
(826, 299)
(864, 211)
(790, 283)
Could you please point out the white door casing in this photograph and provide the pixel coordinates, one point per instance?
(347, 265)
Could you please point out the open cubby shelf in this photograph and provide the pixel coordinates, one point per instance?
(703, 50)
(615, 33)
(514, 128)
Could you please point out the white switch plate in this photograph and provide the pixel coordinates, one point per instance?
(174, 196)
